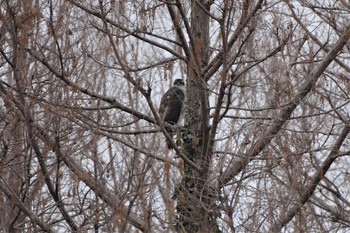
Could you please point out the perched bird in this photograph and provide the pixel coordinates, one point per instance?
(172, 106)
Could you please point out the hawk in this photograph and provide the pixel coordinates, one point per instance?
(172, 106)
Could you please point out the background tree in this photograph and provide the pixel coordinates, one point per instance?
(264, 147)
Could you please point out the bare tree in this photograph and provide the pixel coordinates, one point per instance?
(264, 145)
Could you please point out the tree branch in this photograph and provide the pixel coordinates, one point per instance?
(107, 99)
(106, 195)
(178, 30)
(284, 218)
(6, 189)
(149, 41)
(285, 114)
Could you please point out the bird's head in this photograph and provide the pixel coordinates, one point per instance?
(179, 83)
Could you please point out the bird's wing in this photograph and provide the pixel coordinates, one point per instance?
(164, 103)
(171, 105)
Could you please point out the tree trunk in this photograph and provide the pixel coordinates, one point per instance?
(195, 207)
